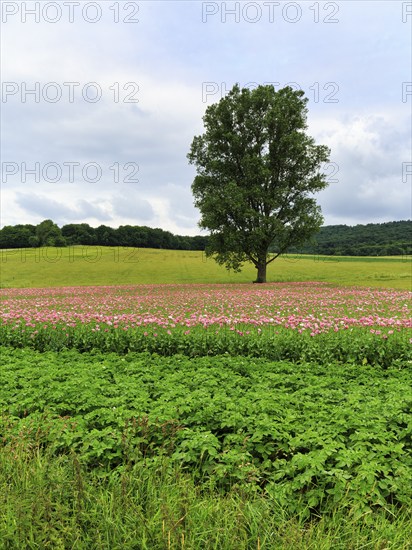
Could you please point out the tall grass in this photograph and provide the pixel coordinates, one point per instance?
(54, 502)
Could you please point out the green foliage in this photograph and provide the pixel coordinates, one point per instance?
(373, 239)
(18, 236)
(49, 234)
(49, 501)
(310, 437)
(355, 346)
(256, 173)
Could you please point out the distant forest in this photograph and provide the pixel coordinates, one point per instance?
(373, 239)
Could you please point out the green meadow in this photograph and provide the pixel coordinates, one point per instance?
(97, 265)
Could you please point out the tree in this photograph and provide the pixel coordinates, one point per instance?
(79, 233)
(256, 173)
(17, 236)
(47, 232)
(106, 236)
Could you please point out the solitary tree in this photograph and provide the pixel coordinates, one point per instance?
(257, 171)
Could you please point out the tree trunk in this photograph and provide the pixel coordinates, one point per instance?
(261, 270)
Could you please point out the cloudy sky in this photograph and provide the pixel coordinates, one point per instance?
(101, 100)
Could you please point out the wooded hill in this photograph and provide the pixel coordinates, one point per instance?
(373, 239)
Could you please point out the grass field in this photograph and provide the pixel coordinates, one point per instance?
(91, 265)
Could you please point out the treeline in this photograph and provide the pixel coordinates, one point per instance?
(47, 233)
(373, 239)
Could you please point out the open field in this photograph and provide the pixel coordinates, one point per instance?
(204, 416)
(89, 265)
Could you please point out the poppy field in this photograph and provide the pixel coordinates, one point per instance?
(278, 321)
(148, 416)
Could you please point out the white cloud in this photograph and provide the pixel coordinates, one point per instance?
(169, 54)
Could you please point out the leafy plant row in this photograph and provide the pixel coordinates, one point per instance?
(309, 436)
(355, 345)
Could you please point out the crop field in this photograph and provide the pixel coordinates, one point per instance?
(190, 416)
(278, 320)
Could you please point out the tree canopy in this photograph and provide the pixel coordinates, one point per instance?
(47, 233)
(256, 173)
